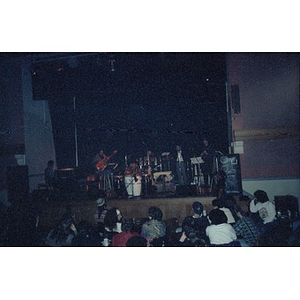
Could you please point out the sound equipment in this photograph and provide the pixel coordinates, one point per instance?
(230, 164)
(17, 183)
(287, 203)
(186, 190)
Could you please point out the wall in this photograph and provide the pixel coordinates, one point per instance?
(26, 129)
(268, 122)
(39, 143)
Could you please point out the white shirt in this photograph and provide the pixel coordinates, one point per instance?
(228, 213)
(265, 210)
(221, 234)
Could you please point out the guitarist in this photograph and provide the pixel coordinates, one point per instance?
(101, 160)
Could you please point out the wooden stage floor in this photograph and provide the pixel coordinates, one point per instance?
(174, 207)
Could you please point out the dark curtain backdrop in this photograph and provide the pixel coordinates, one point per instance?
(134, 102)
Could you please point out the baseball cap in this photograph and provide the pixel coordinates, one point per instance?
(197, 207)
(100, 201)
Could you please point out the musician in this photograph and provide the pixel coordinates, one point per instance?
(180, 166)
(133, 170)
(49, 174)
(99, 157)
(150, 162)
(101, 160)
(105, 175)
(207, 154)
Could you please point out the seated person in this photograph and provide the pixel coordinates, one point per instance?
(155, 227)
(128, 231)
(100, 213)
(263, 210)
(246, 228)
(136, 241)
(220, 232)
(218, 205)
(190, 238)
(197, 221)
(112, 223)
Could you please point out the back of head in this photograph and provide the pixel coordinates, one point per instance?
(230, 201)
(197, 208)
(155, 213)
(261, 196)
(217, 217)
(136, 241)
(127, 225)
(216, 202)
(111, 218)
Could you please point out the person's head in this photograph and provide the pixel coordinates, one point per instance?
(230, 202)
(127, 225)
(216, 203)
(50, 164)
(101, 152)
(261, 196)
(217, 217)
(112, 217)
(197, 208)
(178, 148)
(101, 204)
(155, 213)
(205, 140)
(136, 241)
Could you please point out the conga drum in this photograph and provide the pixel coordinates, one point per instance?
(137, 186)
(133, 185)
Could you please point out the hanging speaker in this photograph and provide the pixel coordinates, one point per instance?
(235, 99)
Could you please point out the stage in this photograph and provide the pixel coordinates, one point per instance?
(174, 207)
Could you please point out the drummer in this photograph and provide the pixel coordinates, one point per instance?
(133, 175)
(150, 162)
(133, 170)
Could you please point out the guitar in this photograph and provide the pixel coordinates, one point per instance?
(102, 163)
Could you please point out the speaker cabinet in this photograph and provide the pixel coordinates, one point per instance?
(17, 183)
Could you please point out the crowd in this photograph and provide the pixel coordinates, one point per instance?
(226, 225)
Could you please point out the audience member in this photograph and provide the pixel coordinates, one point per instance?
(155, 227)
(246, 228)
(264, 213)
(63, 234)
(128, 231)
(100, 213)
(112, 222)
(219, 205)
(87, 236)
(190, 238)
(197, 221)
(220, 232)
(136, 241)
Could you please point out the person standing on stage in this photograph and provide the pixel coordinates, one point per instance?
(101, 160)
(207, 154)
(180, 166)
(49, 174)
